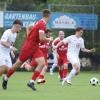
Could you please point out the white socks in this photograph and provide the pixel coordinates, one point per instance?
(5, 77)
(53, 66)
(31, 81)
(71, 74)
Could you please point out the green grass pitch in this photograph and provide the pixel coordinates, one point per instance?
(52, 89)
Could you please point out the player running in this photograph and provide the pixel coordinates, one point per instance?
(75, 43)
(31, 49)
(44, 47)
(7, 46)
(61, 56)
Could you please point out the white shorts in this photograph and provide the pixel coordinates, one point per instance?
(5, 59)
(73, 59)
(55, 58)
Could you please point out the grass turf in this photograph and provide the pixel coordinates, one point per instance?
(52, 89)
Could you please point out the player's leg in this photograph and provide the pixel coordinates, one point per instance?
(39, 58)
(3, 69)
(10, 72)
(65, 66)
(3, 65)
(23, 56)
(60, 71)
(65, 70)
(29, 65)
(76, 68)
(54, 64)
(41, 76)
(41, 62)
(26, 66)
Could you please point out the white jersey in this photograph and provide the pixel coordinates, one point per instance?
(74, 44)
(9, 37)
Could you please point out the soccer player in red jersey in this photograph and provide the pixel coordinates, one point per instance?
(31, 48)
(61, 56)
(44, 47)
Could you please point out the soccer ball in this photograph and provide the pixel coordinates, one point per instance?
(94, 81)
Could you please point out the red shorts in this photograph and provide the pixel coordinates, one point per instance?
(33, 63)
(27, 53)
(62, 60)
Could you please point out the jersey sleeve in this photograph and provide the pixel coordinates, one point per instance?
(66, 40)
(82, 44)
(5, 36)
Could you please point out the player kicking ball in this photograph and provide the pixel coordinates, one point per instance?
(75, 44)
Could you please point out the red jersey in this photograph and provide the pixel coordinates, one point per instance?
(44, 47)
(61, 50)
(32, 39)
(31, 45)
(53, 43)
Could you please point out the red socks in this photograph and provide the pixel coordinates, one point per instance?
(41, 76)
(10, 72)
(61, 74)
(35, 75)
(65, 72)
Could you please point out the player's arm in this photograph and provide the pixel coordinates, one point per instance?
(88, 50)
(5, 44)
(12, 54)
(8, 45)
(85, 49)
(59, 44)
(64, 41)
(42, 36)
(4, 40)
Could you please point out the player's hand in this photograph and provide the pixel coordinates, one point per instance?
(55, 47)
(93, 50)
(12, 54)
(13, 49)
(51, 39)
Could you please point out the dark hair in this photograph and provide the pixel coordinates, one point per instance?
(48, 30)
(18, 22)
(78, 29)
(46, 13)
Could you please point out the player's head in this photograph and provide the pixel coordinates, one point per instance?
(79, 31)
(61, 35)
(46, 14)
(17, 24)
(48, 33)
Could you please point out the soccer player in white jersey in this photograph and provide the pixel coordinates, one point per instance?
(55, 62)
(75, 43)
(6, 46)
